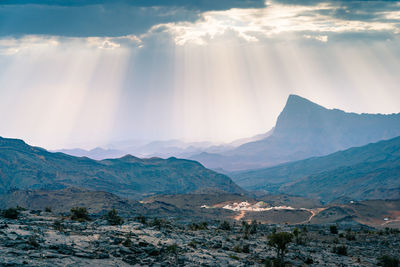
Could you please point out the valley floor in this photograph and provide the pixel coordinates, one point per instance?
(46, 239)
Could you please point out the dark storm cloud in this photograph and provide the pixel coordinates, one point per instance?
(203, 5)
(103, 17)
(350, 10)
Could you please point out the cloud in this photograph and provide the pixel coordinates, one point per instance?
(113, 24)
(279, 21)
(321, 38)
(83, 18)
(13, 45)
(202, 5)
(10, 46)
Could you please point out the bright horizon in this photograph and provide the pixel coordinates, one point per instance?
(194, 71)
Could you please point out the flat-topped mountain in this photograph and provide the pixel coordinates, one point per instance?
(305, 129)
(359, 173)
(26, 167)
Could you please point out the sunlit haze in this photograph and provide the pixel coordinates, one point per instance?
(92, 74)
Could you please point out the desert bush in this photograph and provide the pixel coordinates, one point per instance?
(350, 236)
(198, 226)
(79, 214)
(141, 219)
(309, 261)
(246, 248)
(11, 213)
(113, 218)
(159, 223)
(237, 249)
(192, 244)
(273, 263)
(127, 242)
(340, 250)
(253, 227)
(234, 257)
(47, 209)
(333, 229)
(388, 261)
(173, 249)
(57, 225)
(225, 226)
(32, 240)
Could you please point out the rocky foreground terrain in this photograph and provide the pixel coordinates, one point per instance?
(45, 238)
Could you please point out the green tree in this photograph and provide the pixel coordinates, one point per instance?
(280, 241)
(11, 213)
(113, 218)
(253, 228)
(79, 214)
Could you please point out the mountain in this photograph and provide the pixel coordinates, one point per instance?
(254, 138)
(366, 172)
(163, 149)
(305, 129)
(26, 167)
(97, 153)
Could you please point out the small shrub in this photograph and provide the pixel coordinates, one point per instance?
(225, 226)
(141, 219)
(340, 250)
(113, 218)
(246, 248)
(198, 226)
(296, 232)
(47, 209)
(79, 214)
(388, 261)
(57, 225)
(273, 263)
(32, 240)
(159, 223)
(173, 249)
(11, 213)
(333, 229)
(127, 243)
(36, 212)
(237, 249)
(192, 244)
(350, 236)
(234, 257)
(309, 261)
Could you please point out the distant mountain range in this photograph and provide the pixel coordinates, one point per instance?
(367, 172)
(97, 153)
(305, 129)
(163, 149)
(26, 167)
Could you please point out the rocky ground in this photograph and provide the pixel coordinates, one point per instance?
(48, 239)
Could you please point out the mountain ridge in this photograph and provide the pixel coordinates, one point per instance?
(26, 167)
(305, 129)
(366, 172)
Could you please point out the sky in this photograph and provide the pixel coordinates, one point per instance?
(83, 73)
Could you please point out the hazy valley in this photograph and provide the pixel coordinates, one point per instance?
(318, 175)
